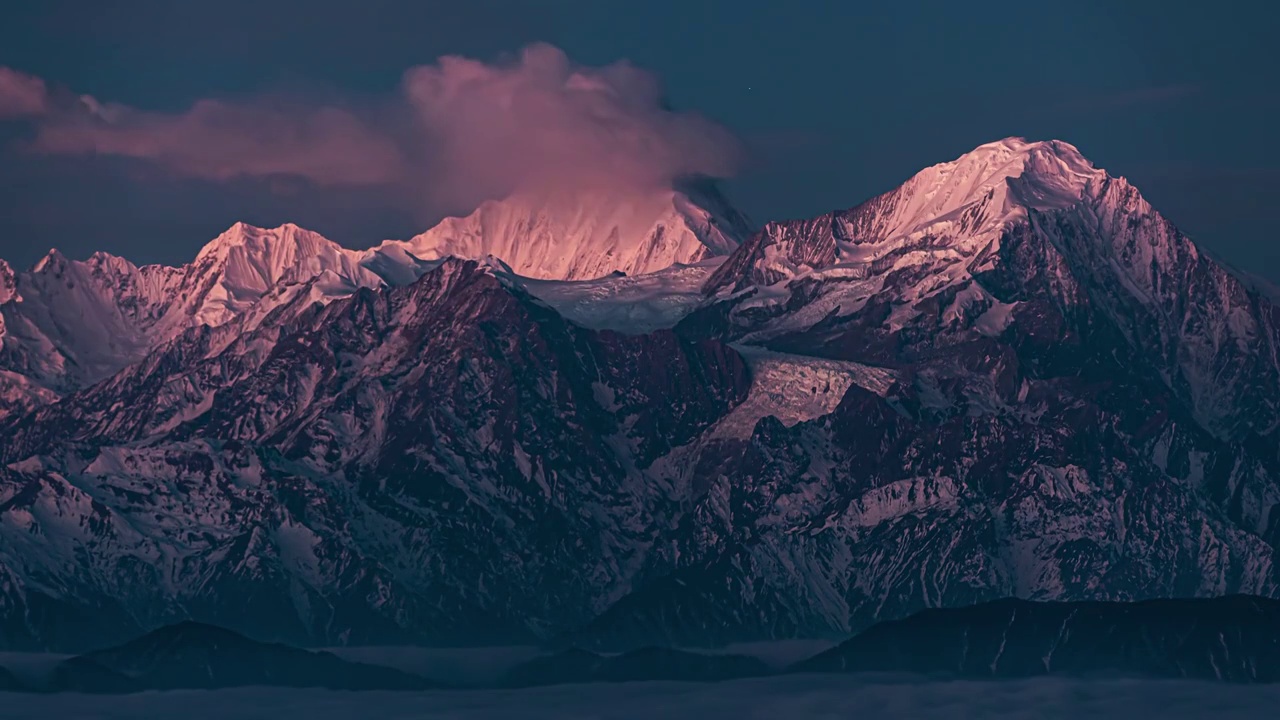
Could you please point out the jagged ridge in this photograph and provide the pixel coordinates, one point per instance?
(1009, 377)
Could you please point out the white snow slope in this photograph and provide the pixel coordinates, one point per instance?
(66, 324)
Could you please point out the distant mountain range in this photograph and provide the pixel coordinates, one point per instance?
(1010, 376)
(67, 324)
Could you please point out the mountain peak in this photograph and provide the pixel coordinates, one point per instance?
(52, 260)
(240, 266)
(1017, 145)
(1017, 154)
(969, 201)
(243, 234)
(1014, 172)
(589, 235)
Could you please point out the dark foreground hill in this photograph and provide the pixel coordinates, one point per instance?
(1234, 638)
(9, 682)
(194, 655)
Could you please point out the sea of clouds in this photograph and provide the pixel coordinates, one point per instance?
(798, 697)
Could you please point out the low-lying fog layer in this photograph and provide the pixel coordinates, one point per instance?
(486, 665)
(794, 697)
(459, 666)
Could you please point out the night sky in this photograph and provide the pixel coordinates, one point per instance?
(832, 102)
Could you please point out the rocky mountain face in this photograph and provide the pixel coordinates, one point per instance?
(1073, 414)
(411, 464)
(1008, 377)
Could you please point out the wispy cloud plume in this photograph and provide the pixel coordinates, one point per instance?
(218, 140)
(542, 121)
(21, 95)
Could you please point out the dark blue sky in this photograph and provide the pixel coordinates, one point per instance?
(836, 100)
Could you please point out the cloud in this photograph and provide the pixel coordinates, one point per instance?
(458, 131)
(21, 95)
(216, 140)
(797, 696)
(544, 122)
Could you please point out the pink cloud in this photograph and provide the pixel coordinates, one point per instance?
(460, 131)
(218, 140)
(543, 122)
(21, 95)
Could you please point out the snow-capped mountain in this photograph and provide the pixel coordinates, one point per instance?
(243, 266)
(969, 201)
(1009, 376)
(410, 419)
(586, 235)
(67, 324)
(964, 248)
(1082, 408)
